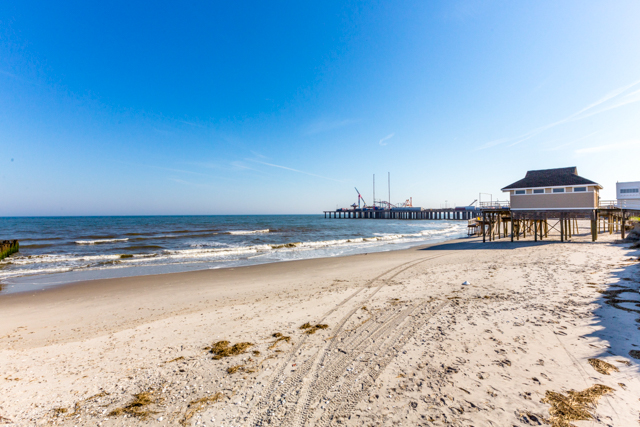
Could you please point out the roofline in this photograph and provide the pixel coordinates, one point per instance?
(505, 189)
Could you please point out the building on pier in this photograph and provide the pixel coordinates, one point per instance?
(553, 199)
(553, 189)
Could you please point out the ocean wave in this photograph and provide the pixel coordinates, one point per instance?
(202, 249)
(99, 241)
(242, 232)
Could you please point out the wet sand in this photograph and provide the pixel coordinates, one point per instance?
(405, 342)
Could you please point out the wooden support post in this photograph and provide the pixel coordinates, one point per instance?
(562, 229)
(511, 221)
(535, 230)
(569, 224)
(484, 234)
(624, 221)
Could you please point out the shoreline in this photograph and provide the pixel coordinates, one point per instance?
(136, 267)
(405, 341)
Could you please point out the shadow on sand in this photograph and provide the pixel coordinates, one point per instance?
(617, 317)
(505, 243)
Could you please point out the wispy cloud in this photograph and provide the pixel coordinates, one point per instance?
(293, 170)
(566, 144)
(255, 153)
(386, 138)
(327, 125)
(583, 113)
(609, 147)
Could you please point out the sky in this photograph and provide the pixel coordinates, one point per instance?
(188, 108)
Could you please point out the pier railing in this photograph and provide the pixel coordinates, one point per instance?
(496, 204)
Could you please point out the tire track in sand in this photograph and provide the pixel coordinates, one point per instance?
(273, 407)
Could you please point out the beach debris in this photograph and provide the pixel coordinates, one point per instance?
(575, 406)
(234, 369)
(312, 329)
(57, 411)
(624, 362)
(174, 360)
(137, 407)
(123, 256)
(635, 354)
(466, 282)
(198, 405)
(78, 405)
(602, 366)
(221, 349)
(279, 337)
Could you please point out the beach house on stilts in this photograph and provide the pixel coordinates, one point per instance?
(560, 195)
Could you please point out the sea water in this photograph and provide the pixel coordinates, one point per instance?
(58, 250)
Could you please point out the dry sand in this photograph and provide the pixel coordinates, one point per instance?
(405, 344)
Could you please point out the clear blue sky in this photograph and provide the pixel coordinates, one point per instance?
(120, 108)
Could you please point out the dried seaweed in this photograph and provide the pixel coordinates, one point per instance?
(312, 329)
(602, 366)
(198, 405)
(279, 339)
(79, 404)
(221, 349)
(174, 360)
(635, 354)
(575, 406)
(234, 369)
(137, 407)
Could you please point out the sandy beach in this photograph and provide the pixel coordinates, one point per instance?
(389, 338)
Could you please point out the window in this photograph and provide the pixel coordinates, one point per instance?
(558, 190)
(538, 191)
(580, 189)
(520, 191)
(629, 190)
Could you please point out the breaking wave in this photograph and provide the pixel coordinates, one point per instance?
(99, 241)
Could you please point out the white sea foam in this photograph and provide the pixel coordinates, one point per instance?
(207, 250)
(240, 232)
(99, 241)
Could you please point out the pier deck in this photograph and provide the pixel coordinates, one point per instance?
(408, 213)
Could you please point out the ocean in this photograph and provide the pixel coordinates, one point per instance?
(59, 250)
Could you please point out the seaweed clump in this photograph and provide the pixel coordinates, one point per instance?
(602, 366)
(198, 405)
(312, 329)
(137, 407)
(222, 349)
(279, 337)
(575, 406)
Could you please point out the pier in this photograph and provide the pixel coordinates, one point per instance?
(504, 222)
(8, 247)
(405, 213)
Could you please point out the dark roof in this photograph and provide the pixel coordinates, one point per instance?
(551, 178)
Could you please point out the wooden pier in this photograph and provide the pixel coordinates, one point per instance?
(504, 222)
(409, 214)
